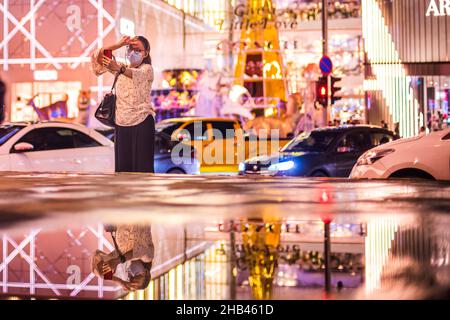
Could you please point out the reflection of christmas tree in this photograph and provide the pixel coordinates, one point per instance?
(260, 67)
(262, 239)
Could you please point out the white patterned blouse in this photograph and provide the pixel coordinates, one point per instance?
(136, 238)
(133, 103)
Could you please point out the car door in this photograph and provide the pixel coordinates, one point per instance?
(53, 151)
(94, 157)
(196, 134)
(225, 146)
(348, 149)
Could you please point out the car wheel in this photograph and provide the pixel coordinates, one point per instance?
(319, 174)
(176, 171)
(411, 174)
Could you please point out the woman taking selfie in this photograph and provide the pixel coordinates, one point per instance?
(135, 124)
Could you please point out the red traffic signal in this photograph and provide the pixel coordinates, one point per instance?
(322, 91)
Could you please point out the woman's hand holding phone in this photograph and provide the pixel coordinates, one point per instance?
(111, 64)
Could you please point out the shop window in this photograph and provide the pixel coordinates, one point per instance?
(254, 65)
(255, 88)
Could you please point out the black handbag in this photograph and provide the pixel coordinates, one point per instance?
(106, 111)
(112, 229)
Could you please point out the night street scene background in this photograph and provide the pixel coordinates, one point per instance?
(249, 150)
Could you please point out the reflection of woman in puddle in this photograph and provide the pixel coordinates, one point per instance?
(130, 263)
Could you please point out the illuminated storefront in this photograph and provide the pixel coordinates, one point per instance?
(408, 71)
(204, 276)
(41, 66)
(185, 35)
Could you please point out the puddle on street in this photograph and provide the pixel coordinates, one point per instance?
(386, 257)
(221, 238)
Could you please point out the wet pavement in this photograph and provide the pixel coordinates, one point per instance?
(171, 198)
(221, 237)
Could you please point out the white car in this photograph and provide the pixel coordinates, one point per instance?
(54, 147)
(424, 156)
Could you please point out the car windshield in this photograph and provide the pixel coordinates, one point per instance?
(7, 131)
(316, 141)
(168, 127)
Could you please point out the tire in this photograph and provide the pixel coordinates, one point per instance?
(415, 174)
(319, 174)
(176, 171)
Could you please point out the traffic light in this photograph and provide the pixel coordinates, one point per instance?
(335, 90)
(322, 91)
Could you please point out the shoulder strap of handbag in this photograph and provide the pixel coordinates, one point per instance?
(115, 81)
(121, 256)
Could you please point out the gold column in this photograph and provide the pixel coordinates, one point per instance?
(260, 49)
(261, 241)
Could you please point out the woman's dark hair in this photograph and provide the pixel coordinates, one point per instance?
(146, 43)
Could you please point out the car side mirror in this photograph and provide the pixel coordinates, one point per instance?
(23, 147)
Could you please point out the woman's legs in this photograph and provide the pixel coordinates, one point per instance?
(135, 147)
(122, 149)
(144, 146)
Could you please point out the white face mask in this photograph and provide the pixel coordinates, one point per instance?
(135, 58)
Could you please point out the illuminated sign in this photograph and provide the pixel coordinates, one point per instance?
(127, 27)
(45, 75)
(438, 8)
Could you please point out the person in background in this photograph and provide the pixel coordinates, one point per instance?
(2, 101)
(397, 129)
(384, 124)
(337, 122)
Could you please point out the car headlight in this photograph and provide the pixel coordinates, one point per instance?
(370, 157)
(282, 166)
(242, 166)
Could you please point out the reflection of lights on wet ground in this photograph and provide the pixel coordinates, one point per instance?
(324, 196)
(287, 276)
(380, 233)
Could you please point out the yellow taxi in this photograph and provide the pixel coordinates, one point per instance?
(220, 143)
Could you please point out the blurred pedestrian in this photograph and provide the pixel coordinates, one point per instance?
(340, 286)
(397, 129)
(135, 123)
(384, 125)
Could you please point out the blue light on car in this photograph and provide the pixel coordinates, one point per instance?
(282, 166)
(241, 166)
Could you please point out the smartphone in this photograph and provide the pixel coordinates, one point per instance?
(108, 53)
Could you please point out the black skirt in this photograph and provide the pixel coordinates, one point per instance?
(135, 147)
